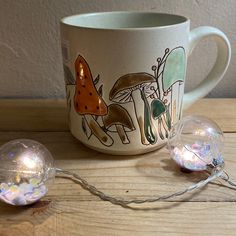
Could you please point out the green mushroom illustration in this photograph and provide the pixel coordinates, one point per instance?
(174, 71)
(136, 87)
(158, 110)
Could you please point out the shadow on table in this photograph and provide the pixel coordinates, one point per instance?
(160, 165)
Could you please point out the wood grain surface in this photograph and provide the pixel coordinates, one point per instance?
(68, 209)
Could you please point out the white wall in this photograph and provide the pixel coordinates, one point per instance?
(30, 56)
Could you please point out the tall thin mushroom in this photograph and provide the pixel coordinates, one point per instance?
(88, 102)
(174, 71)
(130, 88)
(118, 119)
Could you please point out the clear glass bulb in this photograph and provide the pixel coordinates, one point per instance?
(196, 142)
(26, 171)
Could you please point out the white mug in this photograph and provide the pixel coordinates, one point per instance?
(125, 75)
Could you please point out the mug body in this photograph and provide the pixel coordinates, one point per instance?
(124, 74)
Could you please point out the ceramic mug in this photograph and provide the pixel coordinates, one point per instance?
(125, 75)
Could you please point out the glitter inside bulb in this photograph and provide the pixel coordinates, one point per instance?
(26, 171)
(195, 143)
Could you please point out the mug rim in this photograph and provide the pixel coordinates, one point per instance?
(67, 20)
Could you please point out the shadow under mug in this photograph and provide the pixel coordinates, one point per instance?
(125, 75)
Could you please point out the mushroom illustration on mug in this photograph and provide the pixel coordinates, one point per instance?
(136, 87)
(88, 102)
(118, 120)
(158, 110)
(174, 71)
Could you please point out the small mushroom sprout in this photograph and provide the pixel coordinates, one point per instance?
(118, 120)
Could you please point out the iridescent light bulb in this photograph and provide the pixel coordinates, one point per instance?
(195, 143)
(26, 171)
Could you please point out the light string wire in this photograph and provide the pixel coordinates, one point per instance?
(224, 176)
(227, 179)
(215, 173)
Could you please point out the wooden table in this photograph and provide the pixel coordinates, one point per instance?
(70, 210)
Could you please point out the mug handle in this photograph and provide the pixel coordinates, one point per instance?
(219, 68)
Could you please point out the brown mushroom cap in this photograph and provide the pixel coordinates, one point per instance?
(117, 115)
(86, 98)
(122, 89)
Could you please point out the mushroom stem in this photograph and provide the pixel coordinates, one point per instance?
(159, 129)
(174, 115)
(98, 131)
(148, 126)
(164, 125)
(166, 132)
(122, 134)
(168, 117)
(86, 128)
(179, 108)
(171, 106)
(139, 111)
